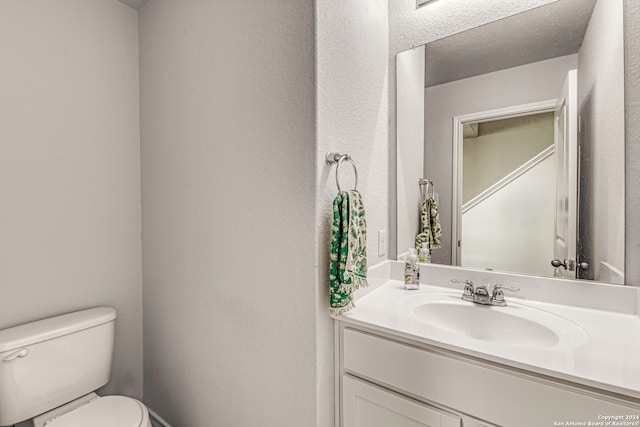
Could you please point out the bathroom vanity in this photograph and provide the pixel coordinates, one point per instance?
(428, 358)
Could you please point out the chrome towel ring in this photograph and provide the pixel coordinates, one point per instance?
(339, 158)
(425, 185)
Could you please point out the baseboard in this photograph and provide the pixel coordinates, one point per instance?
(157, 420)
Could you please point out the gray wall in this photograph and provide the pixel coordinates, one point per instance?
(601, 110)
(231, 301)
(70, 168)
(234, 167)
(632, 137)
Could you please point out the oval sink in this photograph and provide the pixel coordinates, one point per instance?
(514, 325)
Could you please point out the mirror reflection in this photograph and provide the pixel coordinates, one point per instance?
(519, 126)
(504, 162)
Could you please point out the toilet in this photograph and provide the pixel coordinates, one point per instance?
(50, 369)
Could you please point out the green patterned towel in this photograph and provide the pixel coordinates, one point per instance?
(430, 230)
(348, 260)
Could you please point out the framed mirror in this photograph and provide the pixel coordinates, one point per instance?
(518, 125)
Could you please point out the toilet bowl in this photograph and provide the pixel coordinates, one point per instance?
(50, 369)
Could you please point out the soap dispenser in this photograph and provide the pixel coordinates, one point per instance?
(412, 271)
(425, 253)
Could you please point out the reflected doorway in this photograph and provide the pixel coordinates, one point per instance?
(506, 185)
(508, 194)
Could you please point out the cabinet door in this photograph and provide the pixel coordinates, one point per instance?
(365, 405)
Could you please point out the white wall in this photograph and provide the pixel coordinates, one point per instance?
(236, 330)
(513, 229)
(353, 101)
(353, 110)
(601, 106)
(515, 86)
(410, 155)
(69, 168)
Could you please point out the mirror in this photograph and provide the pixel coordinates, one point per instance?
(472, 112)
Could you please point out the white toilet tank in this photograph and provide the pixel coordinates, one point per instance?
(47, 363)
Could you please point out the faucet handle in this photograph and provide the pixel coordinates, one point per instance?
(497, 296)
(468, 289)
(498, 286)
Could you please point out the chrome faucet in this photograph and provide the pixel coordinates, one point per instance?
(469, 291)
(497, 297)
(480, 294)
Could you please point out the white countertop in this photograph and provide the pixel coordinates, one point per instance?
(608, 360)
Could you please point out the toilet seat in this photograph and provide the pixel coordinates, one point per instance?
(107, 411)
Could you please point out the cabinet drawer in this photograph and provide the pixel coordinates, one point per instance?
(365, 405)
(484, 391)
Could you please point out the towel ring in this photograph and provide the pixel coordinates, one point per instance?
(425, 185)
(339, 158)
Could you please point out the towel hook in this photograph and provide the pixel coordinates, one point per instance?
(339, 158)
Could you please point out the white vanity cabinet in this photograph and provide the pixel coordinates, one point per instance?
(392, 381)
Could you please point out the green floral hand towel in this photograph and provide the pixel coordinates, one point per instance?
(430, 230)
(348, 259)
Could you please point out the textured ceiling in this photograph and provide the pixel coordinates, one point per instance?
(555, 29)
(546, 32)
(136, 4)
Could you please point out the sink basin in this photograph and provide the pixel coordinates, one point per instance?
(514, 325)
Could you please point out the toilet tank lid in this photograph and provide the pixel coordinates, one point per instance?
(46, 329)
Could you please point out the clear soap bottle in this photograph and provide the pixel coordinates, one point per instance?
(425, 253)
(412, 271)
